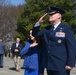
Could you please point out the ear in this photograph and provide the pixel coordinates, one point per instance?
(59, 16)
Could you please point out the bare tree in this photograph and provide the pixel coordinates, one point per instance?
(8, 17)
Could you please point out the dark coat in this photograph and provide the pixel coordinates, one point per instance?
(14, 47)
(60, 47)
(2, 48)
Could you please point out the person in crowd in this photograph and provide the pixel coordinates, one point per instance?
(2, 51)
(16, 48)
(31, 53)
(59, 41)
(8, 52)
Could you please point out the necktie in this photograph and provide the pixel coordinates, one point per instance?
(52, 28)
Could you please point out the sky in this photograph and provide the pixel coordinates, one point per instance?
(17, 2)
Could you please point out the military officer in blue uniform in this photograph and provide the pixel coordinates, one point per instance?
(59, 43)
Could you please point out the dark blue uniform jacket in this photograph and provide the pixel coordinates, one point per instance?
(60, 47)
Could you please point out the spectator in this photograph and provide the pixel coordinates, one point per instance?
(31, 53)
(2, 51)
(16, 48)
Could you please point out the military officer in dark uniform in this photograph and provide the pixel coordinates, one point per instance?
(59, 43)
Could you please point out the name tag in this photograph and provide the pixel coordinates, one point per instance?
(60, 34)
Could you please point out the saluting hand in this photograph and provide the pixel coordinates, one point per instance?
(41, 20)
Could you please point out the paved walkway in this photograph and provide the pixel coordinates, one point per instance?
(10, 70)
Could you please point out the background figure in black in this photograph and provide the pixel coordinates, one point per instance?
(16, 48)
(41, 56)
(42, 51)
(2, 51)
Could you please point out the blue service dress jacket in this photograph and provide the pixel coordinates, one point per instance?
(60, 47)
(31, 56)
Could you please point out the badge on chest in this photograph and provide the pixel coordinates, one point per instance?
(59, 41)
(60, 34)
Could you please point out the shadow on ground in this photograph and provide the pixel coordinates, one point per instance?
(12, 68)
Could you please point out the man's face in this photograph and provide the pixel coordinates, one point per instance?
(18, 40)
(54, 17)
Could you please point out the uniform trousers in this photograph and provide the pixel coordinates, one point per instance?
(1, 59)
(66, 72)
(30, 72)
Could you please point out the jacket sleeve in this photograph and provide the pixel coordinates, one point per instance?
(71, 48)
(12, 48)
(38, 32)
(25, 49)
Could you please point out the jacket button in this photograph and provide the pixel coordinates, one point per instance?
(49, 41)
(48, 46)
(48, 51)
